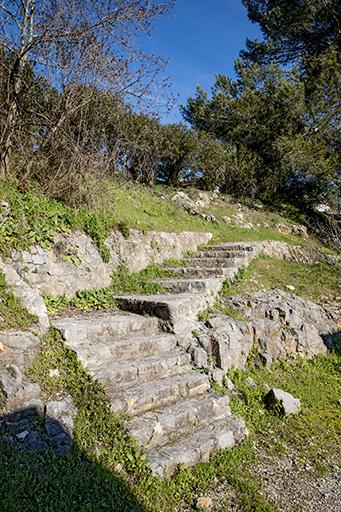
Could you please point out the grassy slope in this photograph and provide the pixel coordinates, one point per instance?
(35, 219)
(319, 282)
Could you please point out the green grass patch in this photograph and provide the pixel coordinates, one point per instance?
(12, 314)
(318, 282)
(138, 282)
(315, 433)
(225, 309)
(34, 219)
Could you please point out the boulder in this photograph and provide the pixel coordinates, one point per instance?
(185, 202)
(230, 341)
(287, 403)
(284, 323)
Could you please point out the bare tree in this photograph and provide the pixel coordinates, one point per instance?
(92, 43)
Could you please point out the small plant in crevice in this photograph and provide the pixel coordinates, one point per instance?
(229, 310)
(73, 258)
(124, 229)
(174, 262)
(55, 303)
(217, 388)
(204, 315)
(228, 285)
(100, 298)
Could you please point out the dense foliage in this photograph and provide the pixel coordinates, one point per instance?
(271, 133)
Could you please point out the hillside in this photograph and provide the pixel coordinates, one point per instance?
(254, 255)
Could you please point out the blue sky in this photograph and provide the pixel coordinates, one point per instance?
(200, 38)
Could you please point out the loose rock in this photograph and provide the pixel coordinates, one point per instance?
(218, 376)
(287, 402)
(204, 503)
(54, 372)
(251, 382)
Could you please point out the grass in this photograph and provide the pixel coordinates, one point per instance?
(315, 433)
(225, 309)
(318, 282)
(35, 219)
(148, 209)
(103, 298)
(12, 314)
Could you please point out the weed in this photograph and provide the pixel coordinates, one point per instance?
(217, 388)
(174, 262)
(229, 310)
(55, 303)
(138, 282)
(101, 298)
(204, 315)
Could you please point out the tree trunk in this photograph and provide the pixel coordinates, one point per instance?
(14, 87)
(6, 139)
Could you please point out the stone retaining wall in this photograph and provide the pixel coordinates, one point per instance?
(74, 263)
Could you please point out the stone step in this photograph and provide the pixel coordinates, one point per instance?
(122, 374)
(156, 428)
(178, 312)
(197, 447)
(188, 285)
(221, 254)
(93, 353)
(141, 398)
(103, 325)
(217, 262)
(203, 272)
(230, 246)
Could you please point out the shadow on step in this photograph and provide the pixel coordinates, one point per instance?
(42, 469)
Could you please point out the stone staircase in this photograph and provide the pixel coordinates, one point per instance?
(138, 354)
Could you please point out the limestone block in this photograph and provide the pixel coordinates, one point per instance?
(287, 402)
